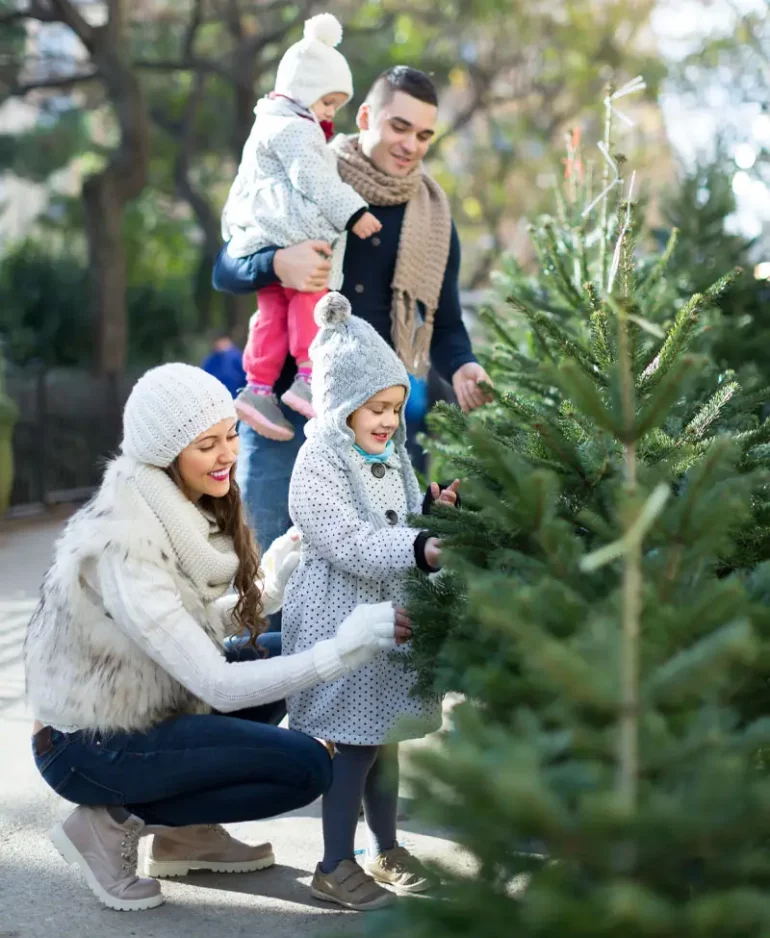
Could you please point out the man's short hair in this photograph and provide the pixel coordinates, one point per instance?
(410, 81)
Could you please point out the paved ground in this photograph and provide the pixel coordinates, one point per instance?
(41, 896)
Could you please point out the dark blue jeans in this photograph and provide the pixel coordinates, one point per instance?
(207, 769)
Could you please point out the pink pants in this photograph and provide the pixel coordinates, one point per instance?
(285, 326)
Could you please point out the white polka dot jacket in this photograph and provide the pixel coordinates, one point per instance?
(288, 188)
(356, 544)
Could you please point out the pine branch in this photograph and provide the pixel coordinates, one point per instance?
(710, 412)
(677, 340)
(656, 273)
(568, 346)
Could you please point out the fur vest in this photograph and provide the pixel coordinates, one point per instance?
(82, 671)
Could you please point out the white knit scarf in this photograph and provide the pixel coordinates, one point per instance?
(204, 553)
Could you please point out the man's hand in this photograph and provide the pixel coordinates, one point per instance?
(304, 267)
(447, 495)
(465, 382)
(366, 226)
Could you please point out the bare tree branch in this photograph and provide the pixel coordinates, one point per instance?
(66, 13)
(19, 89)
(191, 32)
(35, 10)
(183, 65)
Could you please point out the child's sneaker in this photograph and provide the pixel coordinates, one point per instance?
(400, 870)
(349, 886)
(262, 413)
(299, 398)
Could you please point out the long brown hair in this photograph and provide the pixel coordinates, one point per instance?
(229, 515)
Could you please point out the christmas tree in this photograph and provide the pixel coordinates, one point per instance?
(700, 207)
(603, 609)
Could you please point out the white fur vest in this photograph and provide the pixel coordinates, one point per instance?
(82, 671)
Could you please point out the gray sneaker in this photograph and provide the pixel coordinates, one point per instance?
(400, 870)
(349, 886)
(300, 398)
(204, 847)
(106, 852)
(262, 413)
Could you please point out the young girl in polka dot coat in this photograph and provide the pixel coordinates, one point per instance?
(351, 492)
(288, 190)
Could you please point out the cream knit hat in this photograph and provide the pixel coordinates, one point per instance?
(168, 408)
(312, 67)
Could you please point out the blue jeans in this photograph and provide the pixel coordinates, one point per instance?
(207, 769)
(263, 474)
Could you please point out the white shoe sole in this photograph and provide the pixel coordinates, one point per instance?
(71, 855)
(167, 869)
(354, 906)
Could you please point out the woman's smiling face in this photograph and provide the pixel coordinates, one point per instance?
(206, 465)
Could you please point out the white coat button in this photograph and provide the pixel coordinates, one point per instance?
(378, 470)
(391, 516)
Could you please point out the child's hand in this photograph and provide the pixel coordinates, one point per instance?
(447, 495)
(433, 552)
(366, 226)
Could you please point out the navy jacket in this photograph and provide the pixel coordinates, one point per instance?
(368, 271)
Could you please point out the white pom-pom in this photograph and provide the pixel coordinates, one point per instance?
(325, 28)
(331, 309)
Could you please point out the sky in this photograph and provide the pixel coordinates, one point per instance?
(679, 25)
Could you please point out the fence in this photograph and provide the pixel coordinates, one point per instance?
(69, 423)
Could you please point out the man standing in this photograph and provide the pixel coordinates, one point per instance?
(404, 281)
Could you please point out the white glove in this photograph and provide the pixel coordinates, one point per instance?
(367, 631)
(278, 563)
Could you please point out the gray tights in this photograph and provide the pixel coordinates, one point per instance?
(368, 773)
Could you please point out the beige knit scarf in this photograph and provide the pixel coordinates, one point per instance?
(423, 246)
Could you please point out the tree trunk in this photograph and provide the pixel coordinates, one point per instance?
(106, 194)
(107, 271)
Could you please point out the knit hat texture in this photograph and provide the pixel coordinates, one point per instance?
(312, 67)
(169, 406)
(351, 363)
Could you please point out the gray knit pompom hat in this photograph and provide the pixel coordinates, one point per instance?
(351, 363)
(168, 408)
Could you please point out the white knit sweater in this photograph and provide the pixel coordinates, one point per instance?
(128, 632)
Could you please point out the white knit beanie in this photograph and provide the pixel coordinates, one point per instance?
(312, 67)
(169, 406)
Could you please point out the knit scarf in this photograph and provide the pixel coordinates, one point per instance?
(203, 552)
(423, 247)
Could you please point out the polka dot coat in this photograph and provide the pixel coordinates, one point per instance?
(346, 561)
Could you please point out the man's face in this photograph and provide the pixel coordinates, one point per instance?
(397, 135)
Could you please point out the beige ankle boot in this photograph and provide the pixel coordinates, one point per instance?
(203, 847)
(106, 850)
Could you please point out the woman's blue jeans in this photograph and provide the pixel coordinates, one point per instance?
(207, 769)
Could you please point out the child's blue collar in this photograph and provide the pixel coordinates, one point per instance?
(384, 456)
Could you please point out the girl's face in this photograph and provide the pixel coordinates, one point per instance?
(205, 466)
(326, 107)
(375, 422)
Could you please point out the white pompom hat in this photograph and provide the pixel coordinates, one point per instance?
(312, 67)
(168, 408)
